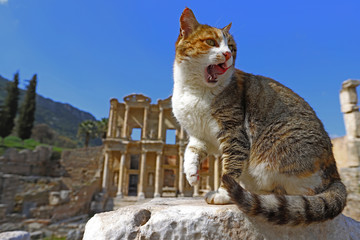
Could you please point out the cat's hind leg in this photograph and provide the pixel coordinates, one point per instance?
(221, 196)
(218, 197)
(235, 154)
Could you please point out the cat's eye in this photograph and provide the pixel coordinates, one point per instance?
(231, 47)
(211, 42)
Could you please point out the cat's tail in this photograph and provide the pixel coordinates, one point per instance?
(289, 209)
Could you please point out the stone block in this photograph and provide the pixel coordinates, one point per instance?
(3, 208)
(352, 124)
(183, 218)
(43, 212)
(65, 196)
(348, 108)
(37, 235)
(15, 235)
(54, 198)
(353, 152)
(26, 208)
(350, 83)
(348, 96)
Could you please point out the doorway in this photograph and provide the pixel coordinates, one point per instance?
(133, 183)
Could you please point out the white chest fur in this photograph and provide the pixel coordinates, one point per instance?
(191, 107)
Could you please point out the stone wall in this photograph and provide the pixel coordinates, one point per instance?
(26, 162)
(21, 193)
(83, 171)
(30, 201)
(81, 165)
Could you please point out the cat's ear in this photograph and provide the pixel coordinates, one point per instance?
(227, 28)
(188, 23)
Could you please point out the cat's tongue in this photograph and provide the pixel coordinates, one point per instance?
(215, 70)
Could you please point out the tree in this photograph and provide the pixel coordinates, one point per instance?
(87, 130)
(9, 109)
(102, 127)
(27, 110)
(43, 133)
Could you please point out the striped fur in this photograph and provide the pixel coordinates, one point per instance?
(269, 138)
(289, 209)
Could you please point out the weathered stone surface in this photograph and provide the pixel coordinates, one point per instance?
(351, 179)
(188, 218)
(350, 83)
(15, 235)
(352, 121)
(26, 162)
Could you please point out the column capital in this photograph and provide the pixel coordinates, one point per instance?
(107, 151)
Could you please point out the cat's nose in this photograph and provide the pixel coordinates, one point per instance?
(227, 55)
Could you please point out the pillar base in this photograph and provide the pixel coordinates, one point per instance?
(119, 195)
(157, 195)
(141, 196)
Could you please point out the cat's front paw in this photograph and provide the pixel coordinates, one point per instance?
(192, 174)
(218, 197)
(191, 166)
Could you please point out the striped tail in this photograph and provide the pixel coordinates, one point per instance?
(289, 209)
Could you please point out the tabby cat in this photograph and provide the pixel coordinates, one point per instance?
(270, 140)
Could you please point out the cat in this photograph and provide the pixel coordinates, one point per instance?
(269, 138)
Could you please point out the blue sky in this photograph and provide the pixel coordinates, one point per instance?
(87, 52)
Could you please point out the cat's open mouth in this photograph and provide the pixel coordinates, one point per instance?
(214, 70)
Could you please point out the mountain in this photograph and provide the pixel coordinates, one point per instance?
(61, 117)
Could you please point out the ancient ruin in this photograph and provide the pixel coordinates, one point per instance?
(350, 109)
(142, 157)
(144, 152)
(48, 196)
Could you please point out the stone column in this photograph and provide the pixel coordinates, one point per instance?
(216, 172)
(210, 178)
(119, 193)
(181, 173)
(144, 130)
(126, 119)
(196, 190)
(105, 172)
(161, 124)
(112, 114)
(348, 101)
(182, 133)
(158, 184)
(141, 193)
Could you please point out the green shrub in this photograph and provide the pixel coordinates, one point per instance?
(30, 144)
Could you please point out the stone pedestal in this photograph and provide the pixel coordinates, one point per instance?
(187, 218)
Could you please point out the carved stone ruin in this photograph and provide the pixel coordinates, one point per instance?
(348, 101)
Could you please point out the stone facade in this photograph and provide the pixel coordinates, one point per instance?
(144, 152)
